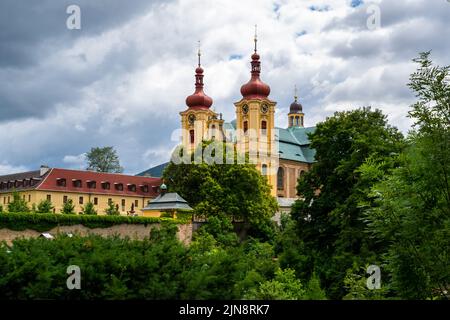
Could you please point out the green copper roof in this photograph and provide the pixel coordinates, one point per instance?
(294, 144)
(168, 201)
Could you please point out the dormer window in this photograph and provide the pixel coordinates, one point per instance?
(131, 187)
(119, 186)
(61, 182)
(144, 188)
(106, 185)
(76, 183)
(91, 184)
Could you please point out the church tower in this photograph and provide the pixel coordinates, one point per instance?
(198, 121)
(296, 115)
(255, 125)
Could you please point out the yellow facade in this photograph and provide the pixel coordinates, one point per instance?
(57, 199)
(205, 125)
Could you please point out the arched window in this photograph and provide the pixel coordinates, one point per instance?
(301, 173)
(245, 127)
(296, 121)
(301, 119)
(213, 131)
(264, 169)
(264, 127)
(191, 133)
(280, 178)
(291, 121)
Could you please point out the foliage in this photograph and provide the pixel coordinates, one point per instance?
(411, 211)
(285, 286)
(103, 160)
(113, 209)
(329, 222)
(89, 209)
(44, 222)
(44, 206)
(356, 283)
(18, 204)
(1, 208)
(68, 207)
(238, 191)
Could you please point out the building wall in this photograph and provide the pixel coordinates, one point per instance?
(57, 198)
(292, 171)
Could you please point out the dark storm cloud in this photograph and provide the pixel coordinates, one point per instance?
(30, 31)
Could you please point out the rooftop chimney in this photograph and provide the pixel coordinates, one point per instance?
(44, 170)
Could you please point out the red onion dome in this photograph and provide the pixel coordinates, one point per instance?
(255, 88)
(199, 100)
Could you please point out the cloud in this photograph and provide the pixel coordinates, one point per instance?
(123, 78)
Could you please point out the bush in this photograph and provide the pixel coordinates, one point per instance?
(68, 207)
(113, 209)
(45, 221)
(45, 206)
(89, 209)
(18, 204)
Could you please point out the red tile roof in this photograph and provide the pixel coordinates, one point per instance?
(50, 183)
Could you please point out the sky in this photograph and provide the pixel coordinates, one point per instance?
(123, 77)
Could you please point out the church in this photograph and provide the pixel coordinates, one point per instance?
(281, 154)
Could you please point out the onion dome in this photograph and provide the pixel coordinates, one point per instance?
(295, 107)
(255, 88)
(199, 100)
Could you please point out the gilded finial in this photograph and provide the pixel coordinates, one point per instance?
(199, 53)
(295, 92)
(256, 36)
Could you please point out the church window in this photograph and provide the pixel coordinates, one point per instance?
(264, 169)
(280, 178)
(191, 134)
(245, 127)
(264, 127)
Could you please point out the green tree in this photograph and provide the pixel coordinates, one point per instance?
(103, 160)
(18, 204)
(89, 209)
(68, 207)
(411, 212)
(285, 286)
(335, 193)
(44, 206)
(113, 209)
(232, 191)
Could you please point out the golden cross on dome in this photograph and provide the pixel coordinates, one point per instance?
(256, 36)
(199, 53)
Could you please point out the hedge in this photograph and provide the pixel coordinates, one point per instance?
(45, 221)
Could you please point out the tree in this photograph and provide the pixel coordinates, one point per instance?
(329, 217)
(232, 191)
(68, 207)
(89, 209)
(411, 211)
(112, 210)
(18, 204)
(285, 286)
(103, 160)
(44, 206)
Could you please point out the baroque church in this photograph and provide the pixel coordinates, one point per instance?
(283, 154)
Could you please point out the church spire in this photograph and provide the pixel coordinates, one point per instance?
(199, 100)
(255, 88)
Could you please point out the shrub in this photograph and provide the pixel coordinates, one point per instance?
(113, 209)
(45, 206)
(89, 209)
(18, 204)
(68, 207)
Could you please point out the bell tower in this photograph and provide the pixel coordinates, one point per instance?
(296, 115)
(198, 121)
(255, 126)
